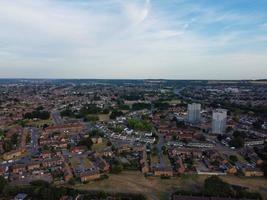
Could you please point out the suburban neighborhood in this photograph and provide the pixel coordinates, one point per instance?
(73, 133)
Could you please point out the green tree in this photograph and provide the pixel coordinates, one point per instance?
(71, 181)
(86, 142)
(258, 124)
(237, 142)
(115, 113)
(140, 125)
(7, 145)
(3, 183)
(21, 123)
(264, 168)
(89, 109)
(124, 107)
(141, 106)
(28, 138)
(105, 111)
(2, 134)
(164, 149)
(96, 132)
(91, 118)
(14, 138)
(116, 168)
(214, 186)
(233, 159)
(67, 112)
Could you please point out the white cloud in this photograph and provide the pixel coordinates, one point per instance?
(120, 39)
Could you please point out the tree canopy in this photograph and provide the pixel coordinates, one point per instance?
(140, 125)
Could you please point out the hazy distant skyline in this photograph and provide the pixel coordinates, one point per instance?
(169, 39)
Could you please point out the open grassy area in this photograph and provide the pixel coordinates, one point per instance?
(259, 82)
(87, 163)
(241, 158)
(40, 123)
(99, 147)
(76, 161)
(103, 117)
(173, 101)
(154, 159)
(254, 183)
(166, 160)
(157, 188)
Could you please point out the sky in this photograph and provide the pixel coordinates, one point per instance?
(133, 39)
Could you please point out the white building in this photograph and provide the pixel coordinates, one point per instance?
(193, 112)
(219, 117)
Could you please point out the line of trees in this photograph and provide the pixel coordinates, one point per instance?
(141, 106)
(41, 190)
(214, 186)
(38, 113)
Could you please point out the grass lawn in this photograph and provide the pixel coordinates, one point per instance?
(241, 158)
(154, 159)
(103, 117)
(173, 101)
(167, 160)
(40, 123)
(87, 163)
(157, 188)
(134, 181)
(76, 161)
(99, 147)
(254, 183)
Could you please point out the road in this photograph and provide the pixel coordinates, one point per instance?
(178, 92)
(57, 119)
(33, 149)
(159, 148)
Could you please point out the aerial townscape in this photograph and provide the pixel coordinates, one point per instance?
(133, 139)
(133, 99)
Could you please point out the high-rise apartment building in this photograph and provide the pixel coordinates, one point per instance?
(193, 112)
(219, 117)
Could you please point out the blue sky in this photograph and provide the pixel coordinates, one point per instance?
(172, 39)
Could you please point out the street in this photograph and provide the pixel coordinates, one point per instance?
(57, 119)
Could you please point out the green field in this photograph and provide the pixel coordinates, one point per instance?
(76, 161)
(157, 188)
(40, 123)
(173, 101)
(103, 117)
(99, 147)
